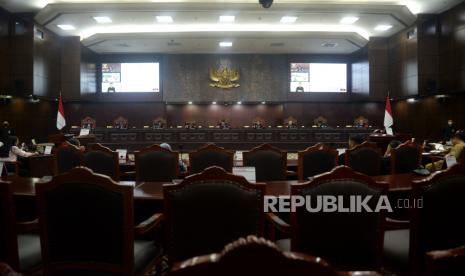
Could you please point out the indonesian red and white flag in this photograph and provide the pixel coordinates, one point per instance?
(61, 121)
(388, 120)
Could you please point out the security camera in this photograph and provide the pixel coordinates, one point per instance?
(266, 3)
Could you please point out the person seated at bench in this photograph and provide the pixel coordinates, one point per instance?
(458, 145)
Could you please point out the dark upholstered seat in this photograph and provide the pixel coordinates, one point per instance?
(446, 262)
(439, 224)
(316, 160)
(67, 157)
(269, 162)
(406, 158)
(157, 164)
(87, 227)
(102, 160)
(253, 256)
(348, 240)
(364, 158)
(210, 155)
(20, 251)
(208, 210)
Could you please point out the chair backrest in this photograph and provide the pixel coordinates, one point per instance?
(157, 164)
(42, 165)
(445, 262)
(439, 224)
(349, 240)
(206, 211)
(253, 256)
(406, 158)
(270, 163)
(315, 160)
(67, 157)
(364, 158)
(210, 155)
(102, 160)
(8, 234)
(86, 224)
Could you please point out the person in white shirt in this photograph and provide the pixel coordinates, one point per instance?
(15, 151)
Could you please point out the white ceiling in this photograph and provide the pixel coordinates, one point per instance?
(196, 28)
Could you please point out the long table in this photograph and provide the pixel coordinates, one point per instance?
(236, 139)
(25, 186)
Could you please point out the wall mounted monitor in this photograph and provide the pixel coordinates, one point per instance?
(318, 77)
(130, 77)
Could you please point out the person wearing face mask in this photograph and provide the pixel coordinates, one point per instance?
(449, 130)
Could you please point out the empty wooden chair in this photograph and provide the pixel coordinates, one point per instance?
(102, 160)
(206, 211)
(316, 160)
(437, 225)
(87, 227)
(349, 240)
(253, 256)
(210, 155)
(406, 158)
(445, 262)
(364, 158)
(270, 163)
(19, 248)
(67, 156)
(155, 163)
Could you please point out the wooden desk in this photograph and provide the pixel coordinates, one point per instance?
(24, 186)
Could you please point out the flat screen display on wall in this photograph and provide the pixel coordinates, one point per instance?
(130, 77)
(318, 77)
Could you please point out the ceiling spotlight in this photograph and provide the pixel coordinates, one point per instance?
(411, 100)
(189, 102)
(102, 19)
(213, 103)
(349, 20)
(288, 19)
(263, 102)
(383, 27)
(164, 19)
(227, 18)
(266, 3)
(226, 44)
(66, 27)
(239, 102)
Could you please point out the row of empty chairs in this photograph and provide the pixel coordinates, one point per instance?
(155, 163)
(86, 222)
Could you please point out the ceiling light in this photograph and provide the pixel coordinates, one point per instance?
(66, 27)
(263, 102)
(164, 19)
(239, 102)
(288, 19)
(213, 103)
(227, 18)
(102, 19)
(349, 20)
(226, 44)
(383, 27)
(189, 102)
(411, 100)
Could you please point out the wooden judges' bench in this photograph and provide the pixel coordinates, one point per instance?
(237, 139)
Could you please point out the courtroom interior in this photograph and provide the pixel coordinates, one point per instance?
(237, 137)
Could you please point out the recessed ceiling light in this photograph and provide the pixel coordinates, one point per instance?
(189, 102)
(263, 102)
(349, 20)
(288, 19)
(213, 102)
(227, 18)
(164, 19)
(226, 44)
(411, 100)
(383, 27)
(102, 19)
(239, 102)
(66, 27)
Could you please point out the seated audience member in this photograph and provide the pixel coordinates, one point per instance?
(386, 160)
(449, 131)
(15, 153)
(354, 140)
(182, 164)
(458, 145)
(9, 131)
(75, 142)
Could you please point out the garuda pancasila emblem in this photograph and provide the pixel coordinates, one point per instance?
(224, 78)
